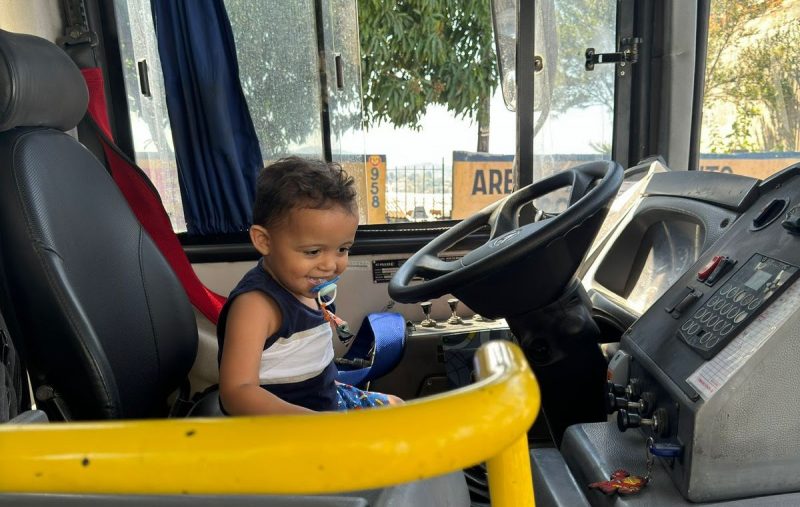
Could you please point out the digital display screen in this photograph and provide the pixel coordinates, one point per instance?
(757, 280)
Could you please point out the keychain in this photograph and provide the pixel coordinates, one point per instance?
(623, 482)
(326, 293)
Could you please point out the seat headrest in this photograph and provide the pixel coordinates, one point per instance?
(40, 86)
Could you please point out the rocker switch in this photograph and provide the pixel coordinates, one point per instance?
(704, 273)
(723, 266)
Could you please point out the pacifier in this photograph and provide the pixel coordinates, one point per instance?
(326, 289)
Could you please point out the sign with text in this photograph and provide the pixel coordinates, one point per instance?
(375, 178)
(755, 165)
(369, 174)
(479, 179)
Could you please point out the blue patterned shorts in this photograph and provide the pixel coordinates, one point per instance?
(353, 398)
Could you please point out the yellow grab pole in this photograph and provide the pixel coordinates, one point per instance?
(321, 453)
(510, 481)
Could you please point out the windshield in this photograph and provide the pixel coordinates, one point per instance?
(573, 107)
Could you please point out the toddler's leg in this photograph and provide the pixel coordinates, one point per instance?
(352, 398)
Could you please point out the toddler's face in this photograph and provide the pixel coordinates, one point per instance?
(310, 247)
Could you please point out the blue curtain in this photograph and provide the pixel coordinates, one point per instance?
(215, 143)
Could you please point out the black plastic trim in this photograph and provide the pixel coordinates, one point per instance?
(730, 191)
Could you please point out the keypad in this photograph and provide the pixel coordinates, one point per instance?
(720, 318)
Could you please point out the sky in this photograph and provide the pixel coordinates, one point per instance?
(441, 134)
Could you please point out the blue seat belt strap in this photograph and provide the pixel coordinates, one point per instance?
(387, 331)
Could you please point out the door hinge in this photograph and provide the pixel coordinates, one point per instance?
(629, 52)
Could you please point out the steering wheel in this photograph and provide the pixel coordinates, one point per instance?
(519, 268)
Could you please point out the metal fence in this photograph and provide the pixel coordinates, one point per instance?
(418, 193)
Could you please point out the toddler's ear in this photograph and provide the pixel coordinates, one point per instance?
(260, 238)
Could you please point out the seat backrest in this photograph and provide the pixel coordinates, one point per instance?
(104, 319)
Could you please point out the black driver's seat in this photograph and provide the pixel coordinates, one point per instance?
(107, 329)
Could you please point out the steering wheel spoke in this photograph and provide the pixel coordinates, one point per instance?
(581, 182)
(504, 217)
(431, 266)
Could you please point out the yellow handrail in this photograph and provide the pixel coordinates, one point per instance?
(329, 452)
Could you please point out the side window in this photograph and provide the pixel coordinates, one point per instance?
(152, 134)
(751, 104)
(276, 45)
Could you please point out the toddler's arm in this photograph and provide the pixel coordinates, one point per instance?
(253, 317)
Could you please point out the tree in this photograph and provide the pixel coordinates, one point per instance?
(576, 86)
(421, 52)
(277, 82)
(753, 69)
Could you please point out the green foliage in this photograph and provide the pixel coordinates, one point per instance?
(754, 68)
(582, 24)
(421, 52)
(275, 79)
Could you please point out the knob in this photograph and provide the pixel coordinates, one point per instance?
(426, 309)
(615, 389)
(615, 403)
(454, 318)
(633, 388)
(658, 423)
(627, 420)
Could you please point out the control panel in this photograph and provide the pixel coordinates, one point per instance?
(439, 350)
(735, 303)
(699, 371)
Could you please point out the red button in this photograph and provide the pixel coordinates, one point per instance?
(710, 267)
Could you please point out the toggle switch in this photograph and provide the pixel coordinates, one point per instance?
(454, 318)
(426, 309)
